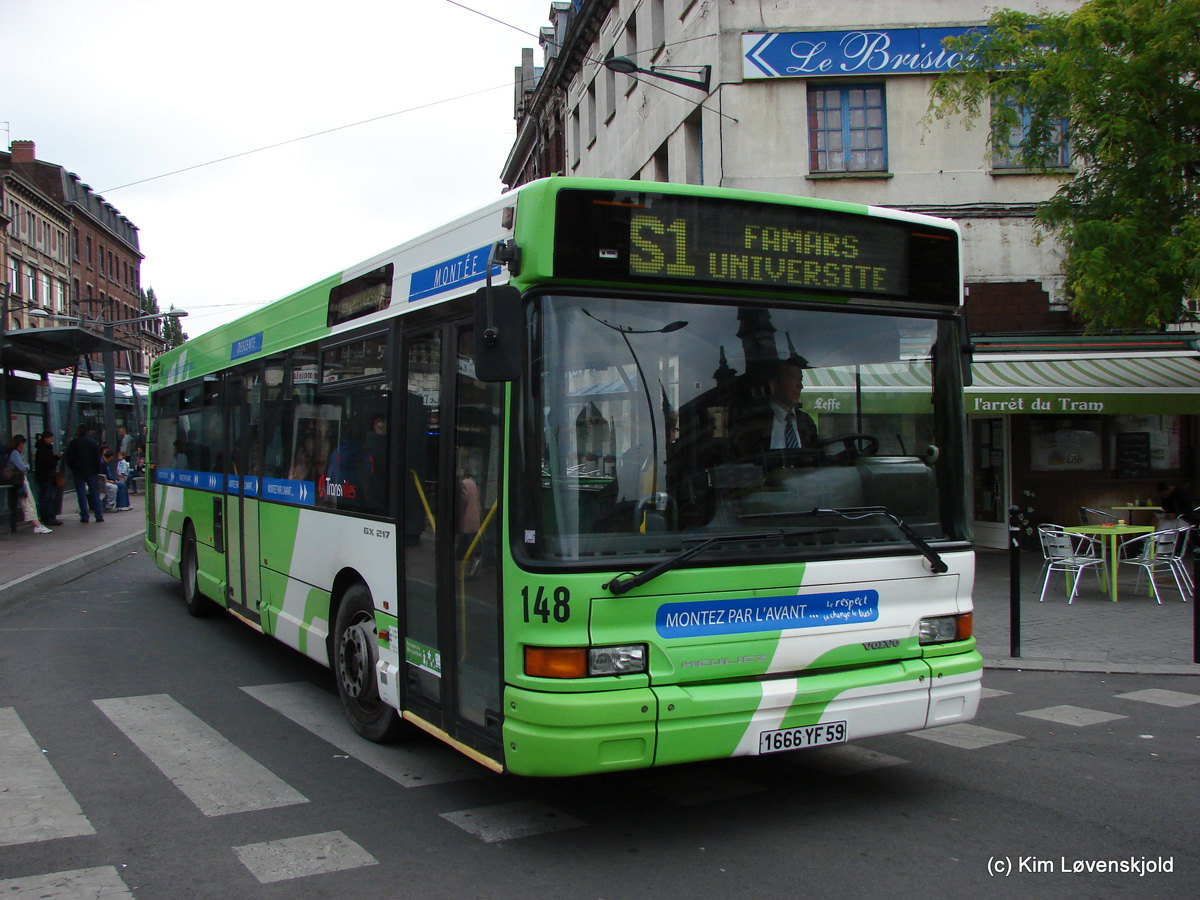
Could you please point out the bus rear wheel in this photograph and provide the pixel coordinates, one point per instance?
(355, 652)
(189, 573)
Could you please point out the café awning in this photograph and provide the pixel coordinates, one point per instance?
(1096, 384)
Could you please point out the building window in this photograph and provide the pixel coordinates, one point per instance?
(658, 31)
(846, 128)
(1010, 155)
(591, 113)
(610, 91)
(693, 146)
(88, 244)
(576, 147)
(631, 47)
(14, 275)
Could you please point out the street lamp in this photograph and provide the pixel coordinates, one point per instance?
(626, 66)
(110, 388)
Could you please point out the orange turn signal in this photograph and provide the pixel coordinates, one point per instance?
(556, 662)
(965, 626)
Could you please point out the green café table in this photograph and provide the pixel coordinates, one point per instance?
(1110, 538)
(1130, 510)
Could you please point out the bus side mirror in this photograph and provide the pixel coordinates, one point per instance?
(499, 333)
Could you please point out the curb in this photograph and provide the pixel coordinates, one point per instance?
(1102, 668)
(68, 570)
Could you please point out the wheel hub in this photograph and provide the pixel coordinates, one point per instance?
(357, 660)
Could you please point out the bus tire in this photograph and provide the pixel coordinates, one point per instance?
(355, 652)
(189, 573)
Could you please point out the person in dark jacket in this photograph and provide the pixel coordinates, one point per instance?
(45, 468)
(83, 458)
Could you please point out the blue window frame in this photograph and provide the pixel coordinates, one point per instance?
(847, 130)
(1008, 156)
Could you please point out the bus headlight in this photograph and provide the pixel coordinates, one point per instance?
(625, 660)
(944, 629)
(579, 662)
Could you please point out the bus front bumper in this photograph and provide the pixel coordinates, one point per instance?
(558, 734)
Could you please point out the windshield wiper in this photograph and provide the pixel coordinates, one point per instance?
(620, 585)
(862, 512)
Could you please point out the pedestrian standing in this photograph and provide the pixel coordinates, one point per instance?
(45, 473)
(124, 441)
(83, 458)
(109, 477)
(122, 483)
(21, 502)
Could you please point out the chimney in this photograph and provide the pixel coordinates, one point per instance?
(23, 151)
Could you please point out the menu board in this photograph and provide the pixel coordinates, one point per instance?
(1133, 454)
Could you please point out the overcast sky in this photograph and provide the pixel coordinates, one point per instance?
(119, 91)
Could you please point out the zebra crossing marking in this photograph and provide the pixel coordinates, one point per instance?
(34, 805)
(989, 693)
(100, 883)
(299, 857)
(317, 711)
(1071, 715)
(1161, 697)
(845, 759)
(211, 772)
(966, 736)
(508, 821)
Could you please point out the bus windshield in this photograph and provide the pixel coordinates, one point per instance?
(655, 425)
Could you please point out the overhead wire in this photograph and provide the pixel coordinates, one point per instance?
(336, 128)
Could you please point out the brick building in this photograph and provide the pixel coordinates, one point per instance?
(73, 253)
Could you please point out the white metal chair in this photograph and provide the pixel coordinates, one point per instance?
(1155, 553)
(1070, 554)
(1179, 562)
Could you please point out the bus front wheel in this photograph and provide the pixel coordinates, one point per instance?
(189, 573)
(356, 650)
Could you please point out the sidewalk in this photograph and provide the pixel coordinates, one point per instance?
(1091, 635)
(32, 563)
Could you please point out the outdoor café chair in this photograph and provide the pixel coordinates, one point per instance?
(1090, 516)
(1179, 559)
(1155, 553)
(1070, 554)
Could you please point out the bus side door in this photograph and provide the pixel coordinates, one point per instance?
(452, 519)
(243, 408)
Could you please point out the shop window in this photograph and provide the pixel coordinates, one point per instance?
(1163, 434)
(1065, 444)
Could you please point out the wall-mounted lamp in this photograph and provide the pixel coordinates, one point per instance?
(627, 66)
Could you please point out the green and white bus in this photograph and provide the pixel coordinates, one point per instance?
(520, 482)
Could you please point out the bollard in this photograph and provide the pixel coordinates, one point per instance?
(1014, 583)
(1195, 615)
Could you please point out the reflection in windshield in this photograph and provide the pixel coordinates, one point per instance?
(656, 424)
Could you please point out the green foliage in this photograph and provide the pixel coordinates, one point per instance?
(1124, 73)
(172, 331)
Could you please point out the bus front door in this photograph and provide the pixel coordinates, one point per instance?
(452, 532)
(242, 407)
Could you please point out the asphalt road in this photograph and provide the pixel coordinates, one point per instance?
(147, 754)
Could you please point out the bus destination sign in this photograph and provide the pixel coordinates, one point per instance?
(360, 296)
(624, 236)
